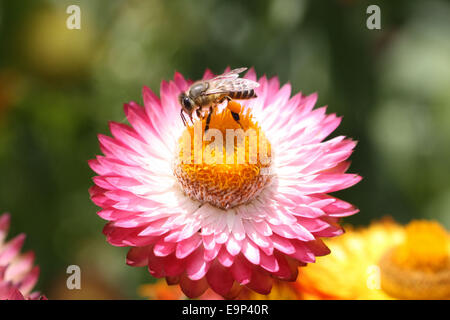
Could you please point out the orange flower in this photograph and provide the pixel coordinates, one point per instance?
(383, 261)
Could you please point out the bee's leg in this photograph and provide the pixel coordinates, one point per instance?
(234, 113)
(208, 119)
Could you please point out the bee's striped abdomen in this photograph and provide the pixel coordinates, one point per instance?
(244, 94)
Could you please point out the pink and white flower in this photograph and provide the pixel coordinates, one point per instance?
(182, 234)
(17, 273)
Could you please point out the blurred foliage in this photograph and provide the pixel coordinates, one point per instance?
(59, 87)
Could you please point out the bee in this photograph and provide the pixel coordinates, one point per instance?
(205, 95)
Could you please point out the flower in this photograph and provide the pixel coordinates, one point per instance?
(222, 225)
(383, 261)
(17, 274)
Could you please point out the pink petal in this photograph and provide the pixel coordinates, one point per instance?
(4, 225)
(196, 266)
(163, 248)
(138, 256)
(241, 270)
(181, 83)
(207, 74)
(11, 249)
(269, 262)
(303, 252)
(193, 289)
(220, 278)
(250, 251)
(155, 265)
(19, 267)
(211, 254)
(288, 271)
(187, 246)
(233, 246)
(251, 74)
(29, 281)
(172, 266)
(282, 244)
(318, 247)
(261, 282)
(225, 258)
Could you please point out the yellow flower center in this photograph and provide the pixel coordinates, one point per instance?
(227, 165)
(419, 267)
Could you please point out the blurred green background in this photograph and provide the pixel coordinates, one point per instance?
(59, 87)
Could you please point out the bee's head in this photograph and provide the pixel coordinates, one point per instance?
(186, 103)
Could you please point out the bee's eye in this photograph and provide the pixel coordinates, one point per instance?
(187, 103)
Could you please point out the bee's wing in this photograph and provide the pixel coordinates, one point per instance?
(229, 85)
(233, 74)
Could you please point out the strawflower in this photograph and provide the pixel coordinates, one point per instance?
(17, 273)
(217, 224)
